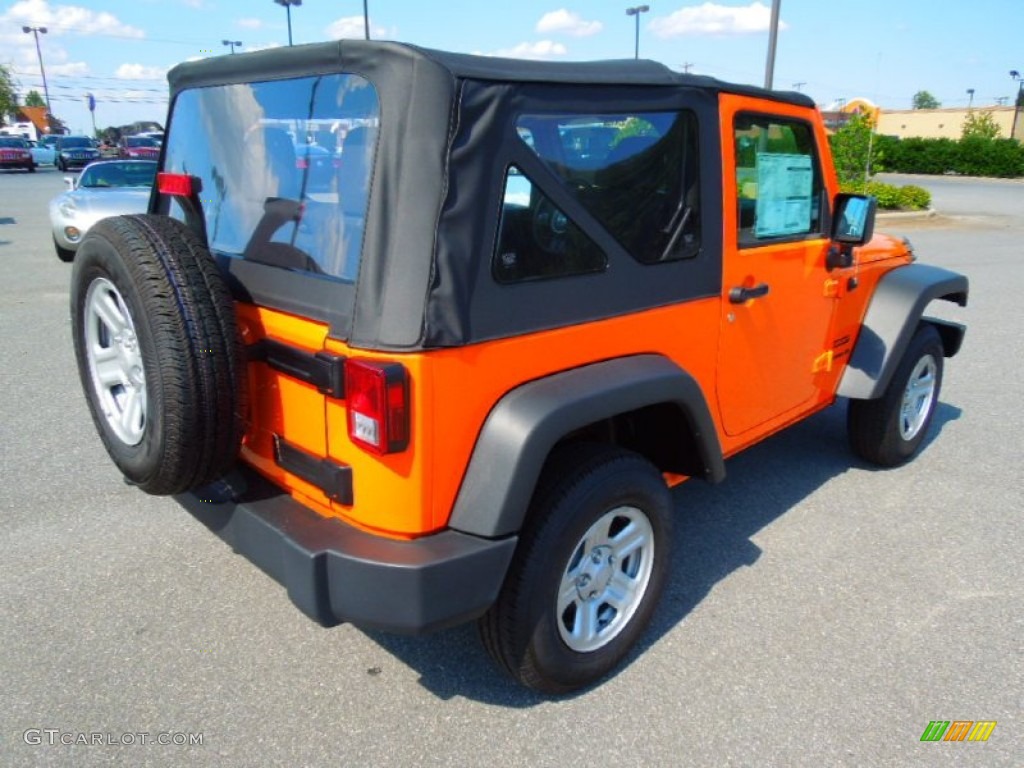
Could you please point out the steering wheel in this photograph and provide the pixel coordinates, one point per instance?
(550, 227)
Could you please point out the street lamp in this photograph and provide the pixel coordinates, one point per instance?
(773, 38)
(37, 31)
(1019, 103)
(366, 20)
(233, 44)
(970, 98)
(288, 8)
(636, 10)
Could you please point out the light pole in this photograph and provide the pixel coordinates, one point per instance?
(1019, 103)
(366, 20)
(37, 31)
(636, 10)
(288, 8)
(233, 44)
(773, 37)
(970, 98)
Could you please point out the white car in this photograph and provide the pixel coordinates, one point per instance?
(102, 189)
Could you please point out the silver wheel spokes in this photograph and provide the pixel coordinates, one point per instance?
(115, 361)
(918, 397)
(605, 579)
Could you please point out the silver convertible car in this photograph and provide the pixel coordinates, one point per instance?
(102, 189)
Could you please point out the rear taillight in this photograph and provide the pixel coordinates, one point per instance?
(377, 395)
(301, 163)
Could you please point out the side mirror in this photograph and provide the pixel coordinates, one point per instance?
(853, 219)
(69, 182)
(853, 223)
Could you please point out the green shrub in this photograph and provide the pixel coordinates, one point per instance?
(971, 156)
(888, 195)
(913, 198)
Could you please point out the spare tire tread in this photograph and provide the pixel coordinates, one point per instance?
(191, 350)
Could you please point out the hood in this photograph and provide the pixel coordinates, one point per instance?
(883, 246)
(99, 203)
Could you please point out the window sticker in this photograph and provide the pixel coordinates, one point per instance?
(784, 194)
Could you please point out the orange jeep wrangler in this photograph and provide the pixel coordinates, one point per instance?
(429, 337)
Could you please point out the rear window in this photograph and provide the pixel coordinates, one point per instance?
(11, 142)
(140, 141)
(75, 142)
(284, 168)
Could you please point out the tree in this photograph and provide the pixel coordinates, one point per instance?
(924, 100)
(8, 94)
(980, 125)
(851, 146)
(34, 99)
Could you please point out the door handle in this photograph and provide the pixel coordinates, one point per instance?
(741, 295)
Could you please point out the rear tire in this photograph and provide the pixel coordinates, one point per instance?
(889, 431)
(586, 577)
(159, 353)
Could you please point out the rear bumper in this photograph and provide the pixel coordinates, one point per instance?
(336, 573)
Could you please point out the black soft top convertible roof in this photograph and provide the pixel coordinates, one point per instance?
(445, 141)
(359, 55)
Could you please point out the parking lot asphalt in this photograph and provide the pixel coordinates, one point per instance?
(820, 613)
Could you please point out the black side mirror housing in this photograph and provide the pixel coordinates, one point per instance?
(853, 218)
(853, 224)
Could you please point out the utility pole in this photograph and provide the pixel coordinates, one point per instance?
(798, 86)
(366, 20)
(687, 66)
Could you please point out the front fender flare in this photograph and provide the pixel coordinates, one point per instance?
(893, 315)
(527, 422)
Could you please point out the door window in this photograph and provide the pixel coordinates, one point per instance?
(778, 180)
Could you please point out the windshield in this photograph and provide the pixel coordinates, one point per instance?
(75, 142)
(120, 174)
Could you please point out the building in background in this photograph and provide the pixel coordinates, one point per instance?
(940, 123)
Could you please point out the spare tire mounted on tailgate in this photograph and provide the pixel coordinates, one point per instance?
(159, 352)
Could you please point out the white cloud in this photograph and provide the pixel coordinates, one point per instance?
(714, 19)
(352, 28)
(568, 22)
(260, 47)
(250, 23)
(70, 69)
(140, 72)
(63, 19)
(542, 49)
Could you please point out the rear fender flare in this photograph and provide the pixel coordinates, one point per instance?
(529, 421)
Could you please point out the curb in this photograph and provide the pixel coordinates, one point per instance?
(906, 215)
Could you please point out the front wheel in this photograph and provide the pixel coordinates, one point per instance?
(889, 431)
(591, 564)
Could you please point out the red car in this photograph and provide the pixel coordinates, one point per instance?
(139, 148)
(15, 153)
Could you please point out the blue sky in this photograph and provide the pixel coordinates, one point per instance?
(885, 50)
